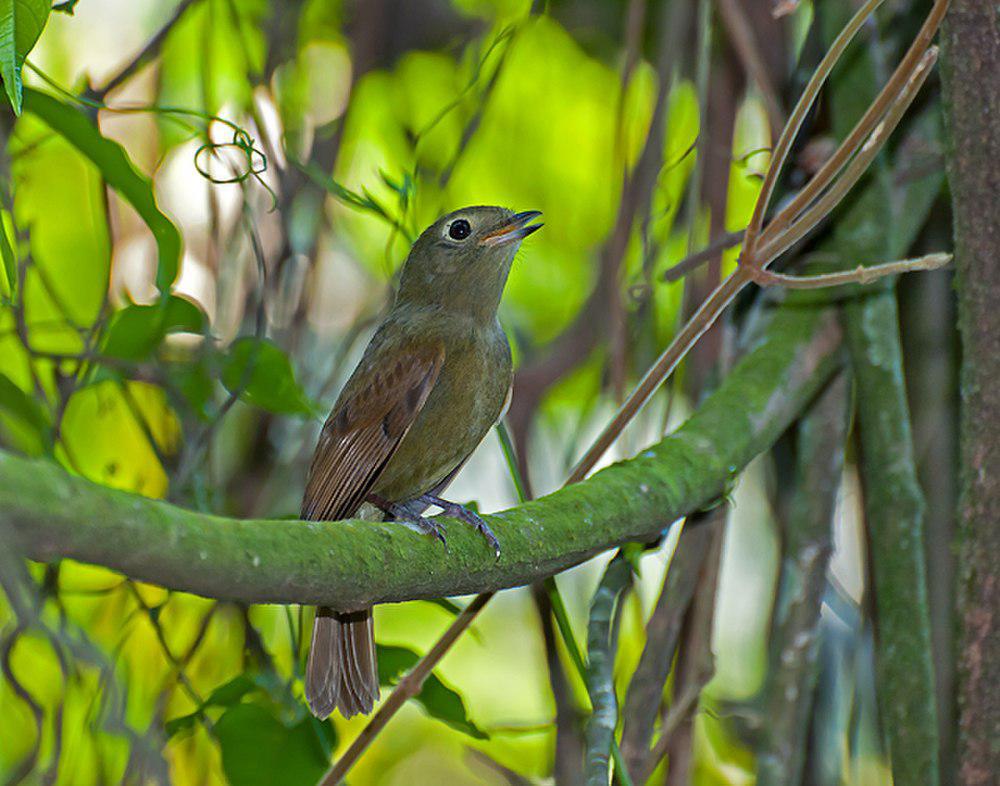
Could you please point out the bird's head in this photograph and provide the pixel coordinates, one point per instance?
(461, 261)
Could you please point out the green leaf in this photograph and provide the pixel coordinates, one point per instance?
(66, 7)
(259, 750)
(119, 173)
(21, 22)
(18, 405)
(440, 701)
(136, 331)
(262, 375)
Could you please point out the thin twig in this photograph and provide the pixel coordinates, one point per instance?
(679, 712)
(784, 232)
(645, 690)
(200, 442)
(908, 66)
(903, 86)
(149, 51)
(407, 688)
(797, 117)
(569, 749)
(860, 274)
(699, 258)
(161, 637)
(28, 762)
(741, 36)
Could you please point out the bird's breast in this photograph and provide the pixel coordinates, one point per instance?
(466, 401)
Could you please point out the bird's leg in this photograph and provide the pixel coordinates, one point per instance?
(463, 514)
(408, 513)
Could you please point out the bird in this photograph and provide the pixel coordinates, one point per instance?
(435, 377)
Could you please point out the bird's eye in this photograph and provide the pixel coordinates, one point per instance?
(459, 229)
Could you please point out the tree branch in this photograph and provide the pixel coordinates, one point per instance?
(352, 564)
(645, 690)
(807, 543)
(892, 495)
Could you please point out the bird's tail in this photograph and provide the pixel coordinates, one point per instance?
(342, 672)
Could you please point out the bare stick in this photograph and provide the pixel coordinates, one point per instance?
(747, 48)
(407, 688)
(864, 127)
(694, 329)
(678, 713)
(795, 120)
(905, 82)
(698, 258)
(786, 230)
(860, 274)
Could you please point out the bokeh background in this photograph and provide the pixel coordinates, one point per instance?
(298, 146)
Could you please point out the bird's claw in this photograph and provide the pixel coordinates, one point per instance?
(429, 527)
(409, 513)
(470, 517)
(405, 514)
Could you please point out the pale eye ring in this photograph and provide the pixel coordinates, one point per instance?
(459, 229)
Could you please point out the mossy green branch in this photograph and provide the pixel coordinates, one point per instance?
(352, 564)
(879, 225)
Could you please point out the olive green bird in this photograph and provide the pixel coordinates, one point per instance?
(434, 379)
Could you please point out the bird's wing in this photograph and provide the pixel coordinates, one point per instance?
(366, 427)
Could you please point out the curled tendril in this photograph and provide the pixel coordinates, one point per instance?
(253, 161)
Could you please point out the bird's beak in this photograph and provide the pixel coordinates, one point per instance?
(518, 228)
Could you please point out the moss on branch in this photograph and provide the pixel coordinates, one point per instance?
(51, 514)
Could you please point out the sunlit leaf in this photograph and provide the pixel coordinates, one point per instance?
(21, 22)
(119, 173)
(106, 432)
(440, 701)
(262, 375)
(59, 204)
(321, 20)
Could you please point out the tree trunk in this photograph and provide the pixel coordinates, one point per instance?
(971, 71)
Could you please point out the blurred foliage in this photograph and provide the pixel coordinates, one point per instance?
(193, 262)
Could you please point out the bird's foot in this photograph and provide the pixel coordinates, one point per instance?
(462, 513)
(409, 513)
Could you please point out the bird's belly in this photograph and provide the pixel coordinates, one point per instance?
(463, 406)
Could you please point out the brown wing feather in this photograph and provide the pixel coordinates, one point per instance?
(365, 428)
